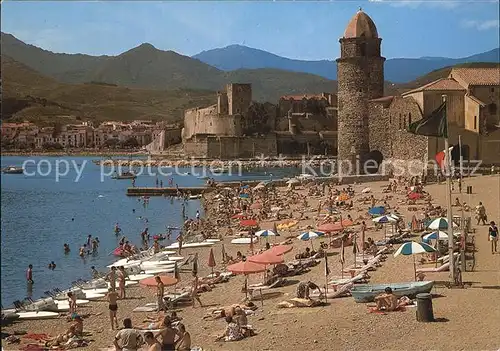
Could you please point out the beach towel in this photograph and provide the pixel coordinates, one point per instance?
(374, 310)
(34, 336)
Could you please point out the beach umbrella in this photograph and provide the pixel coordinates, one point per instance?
(377, 211)
(246, 268)
(308, 236)
(265, 233)
(211, 260)
(266, 258)
(414, 196)
(384, 219)
(244, 196)
(439, 224)
(335, 227)
(256, 206)
(366, 190)
(280, 250)
(412, 248)
(434, 236)
(248, 223)
(166, 280)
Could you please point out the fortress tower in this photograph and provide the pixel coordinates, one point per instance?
(360, 75)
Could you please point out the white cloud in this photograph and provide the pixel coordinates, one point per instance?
(482, 25)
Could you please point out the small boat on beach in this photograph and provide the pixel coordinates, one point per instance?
(243, 241)
(37, 315)
(190, 245)
(13, 170)
(367, 292)
(124, 175)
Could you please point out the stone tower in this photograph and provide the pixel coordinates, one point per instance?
(360, 75)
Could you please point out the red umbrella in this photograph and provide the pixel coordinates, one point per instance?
(166, 279)
(335, 227)
(414, 196)
(211, 259)
(256, 206)
(280, 250)
(238, 216)
(248, 223)
(246, 267)
(266, 257)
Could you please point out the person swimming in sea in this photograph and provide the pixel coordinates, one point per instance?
(52, 265)
(83, 250)
(66, 249)
(117, 229)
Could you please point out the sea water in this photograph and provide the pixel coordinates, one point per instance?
(40, 213)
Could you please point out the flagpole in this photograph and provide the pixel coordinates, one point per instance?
(448, 193)
(462, 219)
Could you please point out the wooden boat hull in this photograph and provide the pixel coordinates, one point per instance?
(367, 292)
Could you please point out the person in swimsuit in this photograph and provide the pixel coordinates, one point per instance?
(72, 303)
(113, 307)
(183, 343)
(29, 274)
(160, 291)
(194, 291)
(153, 344)
(111, 277)
(121, 281)
(66, 249)
(167, 334)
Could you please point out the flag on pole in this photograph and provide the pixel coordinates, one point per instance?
(342, 257)
(434, 125)
(441, 157)
(327, 269)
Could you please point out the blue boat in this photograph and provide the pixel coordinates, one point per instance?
(367, 292)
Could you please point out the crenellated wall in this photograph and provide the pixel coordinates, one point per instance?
(209, 121)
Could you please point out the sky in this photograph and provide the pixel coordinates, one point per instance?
(307, 30)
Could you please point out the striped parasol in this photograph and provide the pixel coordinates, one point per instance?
(265, 233)
(384, 219)
(434, 235)
(440, 224)
(412, 248)
(310, 235)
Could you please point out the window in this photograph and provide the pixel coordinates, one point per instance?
(492, 90)
(390, 119)
(492, 109)
(409, 119)
(475, 122)
(400, 121)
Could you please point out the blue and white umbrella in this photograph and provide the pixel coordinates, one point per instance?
(377, 211)
(412, 248)
(434, 235)
(310, 235)
(244, 196)
(385, 219)
(440, 224)
(265, 233)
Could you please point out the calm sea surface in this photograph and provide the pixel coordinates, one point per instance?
(40, 214)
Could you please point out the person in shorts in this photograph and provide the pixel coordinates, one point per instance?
(113, 307)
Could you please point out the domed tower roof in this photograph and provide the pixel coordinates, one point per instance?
(361, 26)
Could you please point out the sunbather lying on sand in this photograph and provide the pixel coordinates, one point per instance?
(223, 312)
(75, 330)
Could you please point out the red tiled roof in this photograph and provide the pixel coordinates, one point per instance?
(478, 76)
(440, 84)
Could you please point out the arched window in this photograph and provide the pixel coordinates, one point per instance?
(400, 121)
(475, 122)
(492, 109)
(409, 119)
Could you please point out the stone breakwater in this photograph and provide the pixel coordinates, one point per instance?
(245, 164)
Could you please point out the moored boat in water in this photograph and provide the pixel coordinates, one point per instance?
(124, 175)
(368, 292)
(13, 170)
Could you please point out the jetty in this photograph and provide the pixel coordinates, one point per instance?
(169, 191)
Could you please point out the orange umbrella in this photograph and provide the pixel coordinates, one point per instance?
(279, 250)
(266, 257)
(246, 267)
(211, 259)
(335, 227)
(166, 280)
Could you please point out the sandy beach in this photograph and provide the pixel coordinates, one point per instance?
(466, 319)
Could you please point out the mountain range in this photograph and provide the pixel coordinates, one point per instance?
(397, 70)
(146, 82)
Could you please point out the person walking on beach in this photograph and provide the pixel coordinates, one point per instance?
(111, 277)
(493, 235)
(122, 275)
(29, 274)
(481, 214)
(180, 239)
(72, 303)
(160, 291)
(113, 307)
(194, 291)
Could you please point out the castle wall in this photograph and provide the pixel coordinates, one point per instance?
(208, 121)
(239, 98)
(472, 114)
(241, 147)
(490, 96)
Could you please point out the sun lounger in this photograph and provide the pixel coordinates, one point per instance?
(443, 268)
(252, 289)
(365, 268)
(146, 308)
(361, 277)
(446, 258)
(343, 290)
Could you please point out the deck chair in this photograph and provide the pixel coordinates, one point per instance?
(343, 290)
(443, 268)
(446, 258)
(360, 278)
